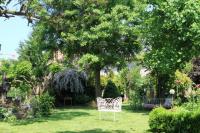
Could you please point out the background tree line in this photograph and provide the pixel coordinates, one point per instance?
(96, 35)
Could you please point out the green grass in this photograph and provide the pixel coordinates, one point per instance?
(81, 120)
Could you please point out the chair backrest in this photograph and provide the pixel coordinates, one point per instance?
(109, 104)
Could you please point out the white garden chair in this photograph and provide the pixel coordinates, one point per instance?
(109, 105)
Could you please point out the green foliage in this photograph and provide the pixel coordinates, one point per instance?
(109, 76)
(94, 41)
(55, 67)
(21, 91)
(2, 112)
(19, 75)
(191, 105)
(70, 80)
(34, 103)
(85, 31)
(131, 79)
(193, 100)
(188, 67)
(182, 83)
(136, 99)
(23, 68)
(175, 120)
(182, 78)
(34, 52)
(111, 91)
(117, 80)
(81, 99)
(136, 83)
(122, 80)
(172, 34)
(104, 80)
(46, 103)
(7, 115)
(134, 78)
(42, 105)
(88, 60)
(17, 69)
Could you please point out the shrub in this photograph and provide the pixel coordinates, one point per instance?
(23, 68)
(90, 91)
(7, 115)
(2, 112)
(182, 83)
(81, 99)
(34, 103)
(41, 105)
(111, 90)
(190, 106)
(45, 104)
(175, 120)
(70, 80)
(136, 100)
(20, 91)
(55, 67)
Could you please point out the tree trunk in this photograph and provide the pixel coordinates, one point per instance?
(162, 85)
(2, 98)
(97, 83)
(160, 89)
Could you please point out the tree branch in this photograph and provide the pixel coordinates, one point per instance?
(11, 13)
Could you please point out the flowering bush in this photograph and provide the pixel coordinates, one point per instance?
(182, 80)
(183, 85)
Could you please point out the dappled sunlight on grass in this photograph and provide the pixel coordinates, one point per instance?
(56, 116)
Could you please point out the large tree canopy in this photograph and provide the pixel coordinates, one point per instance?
(104, 31)
(97, 34)
(172, 33)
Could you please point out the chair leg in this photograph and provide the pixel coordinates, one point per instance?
(99, 115)
(114, 116)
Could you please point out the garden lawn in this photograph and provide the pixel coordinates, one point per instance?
(81, 120)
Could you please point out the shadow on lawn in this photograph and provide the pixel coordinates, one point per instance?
(54, 117)
(129, 109)
(94, 131)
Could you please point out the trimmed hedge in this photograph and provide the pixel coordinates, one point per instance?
(111, 90)
(178, 120)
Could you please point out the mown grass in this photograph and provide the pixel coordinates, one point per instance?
(81, 120)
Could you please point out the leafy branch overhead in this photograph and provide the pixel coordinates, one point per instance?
(24, 8)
